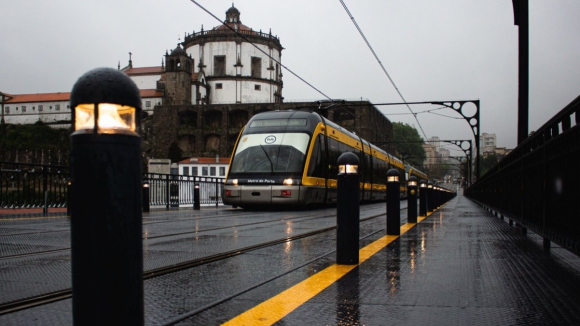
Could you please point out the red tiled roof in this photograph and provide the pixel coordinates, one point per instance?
(65, 96)
(144, 71)
(240, 27)
(205, 160)
(151, 93)
(40, 97)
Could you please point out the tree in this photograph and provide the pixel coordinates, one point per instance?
(408, 144)
(487, 162)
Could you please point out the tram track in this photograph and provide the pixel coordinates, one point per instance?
(30, 254)
(55, 296)
(305, 218)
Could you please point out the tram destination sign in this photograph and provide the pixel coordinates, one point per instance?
(296, 122)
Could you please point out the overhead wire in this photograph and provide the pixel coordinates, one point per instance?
(381, 64)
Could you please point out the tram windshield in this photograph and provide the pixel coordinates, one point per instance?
(269, 153)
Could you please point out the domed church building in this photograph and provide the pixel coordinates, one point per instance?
(240, 64)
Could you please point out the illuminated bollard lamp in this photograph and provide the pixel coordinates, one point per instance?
(393, 203)
(347, 210)
(412, 200)
(423, 198)
(106, 217)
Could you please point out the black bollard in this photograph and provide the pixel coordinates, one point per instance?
(106, 217)
(146, 191)
(412, 200)
(393, 203)
(347, 210)
(430, 197)
(196, 204)
(423, 198)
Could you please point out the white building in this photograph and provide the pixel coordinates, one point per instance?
(487, 143)
(241, 65)
(215, 167)
(54, 108)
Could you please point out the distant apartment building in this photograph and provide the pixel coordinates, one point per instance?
(487, 143)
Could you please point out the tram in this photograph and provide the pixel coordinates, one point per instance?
(289, 158)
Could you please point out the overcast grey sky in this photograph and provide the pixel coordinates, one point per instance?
(434, 50)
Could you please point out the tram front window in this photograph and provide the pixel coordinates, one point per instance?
(270, 153)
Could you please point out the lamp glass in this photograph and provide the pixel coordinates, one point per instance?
(112, 117)
(412, 183)
(348, 168)
(392, 178)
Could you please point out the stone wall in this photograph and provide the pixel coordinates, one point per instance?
(209, 130)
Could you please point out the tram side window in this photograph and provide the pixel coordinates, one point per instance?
(316, 166)
(382, 174)
(333, 154)
(367, 168)
(376, 170)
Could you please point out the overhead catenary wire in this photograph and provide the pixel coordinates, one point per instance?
(382, 66)
(255, 46)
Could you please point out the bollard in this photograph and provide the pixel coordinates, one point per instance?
(393, 203)
(412, 200)
(196, 203)
(347, 210)
(430, 197)
(146, 191)
(106, 217)
(423, 198)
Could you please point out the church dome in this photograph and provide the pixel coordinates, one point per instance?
(232, 10)
(178, 51)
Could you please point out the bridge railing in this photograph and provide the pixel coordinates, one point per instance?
(538, 183)
(46, 186)
(25, 185)
(175, 190)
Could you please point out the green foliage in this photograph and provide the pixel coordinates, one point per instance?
(487, 162)
(38, 136)
(408, 144)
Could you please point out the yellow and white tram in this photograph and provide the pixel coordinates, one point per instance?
(289, 158)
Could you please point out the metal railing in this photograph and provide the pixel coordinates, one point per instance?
(46, 186)
(176, 190)
(33, 186)
(537, 184)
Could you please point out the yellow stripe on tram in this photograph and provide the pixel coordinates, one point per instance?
(275, 308)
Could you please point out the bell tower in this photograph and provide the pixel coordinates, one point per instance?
(178, 70)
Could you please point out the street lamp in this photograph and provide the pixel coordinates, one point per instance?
(106, 213)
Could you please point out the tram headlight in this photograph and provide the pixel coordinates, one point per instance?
(288, 182)
(234, 182)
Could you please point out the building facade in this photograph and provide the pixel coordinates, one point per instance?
(203, 93)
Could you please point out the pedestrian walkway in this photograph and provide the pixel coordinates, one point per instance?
(459, 266)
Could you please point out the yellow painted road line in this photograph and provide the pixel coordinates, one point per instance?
(275, 308)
